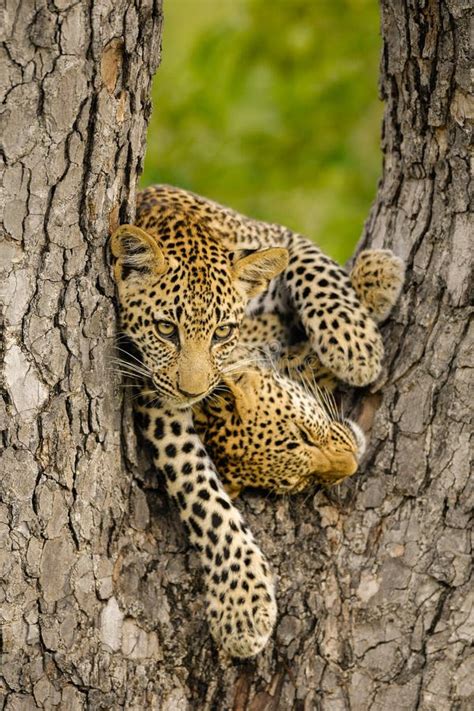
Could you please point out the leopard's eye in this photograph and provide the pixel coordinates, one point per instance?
(305, 437)
(166, 329)
(223, 332)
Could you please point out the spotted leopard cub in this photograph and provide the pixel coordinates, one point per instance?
(313, 290)
(186, 273)
(267, 430)
(182, 298)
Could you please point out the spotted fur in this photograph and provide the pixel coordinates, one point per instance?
(186, 273)
(182, 297)
(266, 429)
(313, 287)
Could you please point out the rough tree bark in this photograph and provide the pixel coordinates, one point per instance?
(76, 80)
(102, 605)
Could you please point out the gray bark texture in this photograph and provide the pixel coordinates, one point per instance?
(101, 599)
(76, 84)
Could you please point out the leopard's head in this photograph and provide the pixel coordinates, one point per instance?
(265, 430)
(182, 297)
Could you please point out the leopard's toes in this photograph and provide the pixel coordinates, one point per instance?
(242, 613)
(357, 361)
(246, 631)
(377, 278)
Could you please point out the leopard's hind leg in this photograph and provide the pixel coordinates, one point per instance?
(377, 279)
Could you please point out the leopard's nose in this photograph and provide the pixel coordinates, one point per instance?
(350, 465)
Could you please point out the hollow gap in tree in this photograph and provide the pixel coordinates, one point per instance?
(272, 110)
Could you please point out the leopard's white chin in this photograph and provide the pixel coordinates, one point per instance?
(359, 438)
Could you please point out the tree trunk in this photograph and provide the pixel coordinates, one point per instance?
(103, 605)
(76, 79)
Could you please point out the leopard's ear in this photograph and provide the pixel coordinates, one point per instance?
(135, 252)
(244, 389)
(256, 269)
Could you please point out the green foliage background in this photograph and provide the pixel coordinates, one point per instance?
(271, 108)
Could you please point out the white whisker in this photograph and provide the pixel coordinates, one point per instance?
(131, 367)
(130, 355)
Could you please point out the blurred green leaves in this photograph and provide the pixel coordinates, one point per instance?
(271, 108)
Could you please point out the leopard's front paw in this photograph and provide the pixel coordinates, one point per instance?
(241, 604)
(352, 350)
(377, 278)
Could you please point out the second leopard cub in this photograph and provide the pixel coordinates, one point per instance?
(264, 428)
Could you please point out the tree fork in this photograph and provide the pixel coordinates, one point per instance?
(103, 607)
